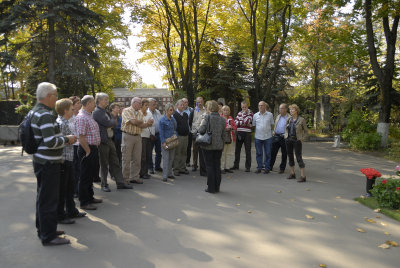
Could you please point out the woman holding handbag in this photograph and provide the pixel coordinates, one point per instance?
(213, 125)
(230, 129)
(167, 127)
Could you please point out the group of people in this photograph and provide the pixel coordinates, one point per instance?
(90, 138)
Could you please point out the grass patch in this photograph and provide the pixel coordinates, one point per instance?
(372, 203)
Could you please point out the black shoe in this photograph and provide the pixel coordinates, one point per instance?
(60, 232)
(151, 172)
(203, 174)
(184, 172)
(78, 215)
(124, 186)
(194, 169)
(188, 164)
(89, 207)
(207, 191)
(145, 176)
(97, 180)
(302, 179)
(266, 171)
(171, 176)
(96, 201)
(164, 180)
(159, 169)
(105, 189)
(223, 171)
(234, 167)
(56, 242)
(228, 170)
(281, 171)
(66, 221)
(258, 171)
(247, 170)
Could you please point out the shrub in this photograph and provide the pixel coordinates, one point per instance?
(365, 141)
(387, 193)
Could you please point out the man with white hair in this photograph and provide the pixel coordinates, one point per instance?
(88, 133)
(47, 163)
(131, 147)
(107, 152)
(182, 129)
(156, 144)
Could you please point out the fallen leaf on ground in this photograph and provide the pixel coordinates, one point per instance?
(384, 246)
(378, 217)
(291, 199)
(370, 220)
(335, 208)
(386, 233)
(308, 189)
(237, 257)
(383, 224)
(377, 210)
(323, 265)
(249, 211)
(360, 230)
(338, 197)
(309, 216)
(238, 205)
(279, 191)
(392, 243)
(335, 217)
(178, 219)
(144, 207)
(362, 197)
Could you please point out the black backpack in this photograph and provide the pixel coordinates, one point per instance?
(26, 136)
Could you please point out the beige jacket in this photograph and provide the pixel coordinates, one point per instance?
(301, 129)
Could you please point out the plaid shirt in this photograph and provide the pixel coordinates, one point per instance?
(126, 126)
(86, 126)
(68, 151)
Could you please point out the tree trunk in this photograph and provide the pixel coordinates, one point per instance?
(317, 108)
(52, 47)
(385, 74)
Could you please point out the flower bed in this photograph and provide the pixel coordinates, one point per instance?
(387, 193)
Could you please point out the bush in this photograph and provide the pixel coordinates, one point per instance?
(365, 141)
(387, 193)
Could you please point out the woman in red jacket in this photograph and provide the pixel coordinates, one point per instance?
(230, 128)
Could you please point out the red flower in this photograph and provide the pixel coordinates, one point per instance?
(384, 181)
(370, 173)
(397, 188)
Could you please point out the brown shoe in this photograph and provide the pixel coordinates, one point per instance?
(60, 232)
(137, 181)
(96, 201)
(291, 177)
(56, 242)
(281, 171)
(302, 179)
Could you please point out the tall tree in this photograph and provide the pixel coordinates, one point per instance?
(384, 11)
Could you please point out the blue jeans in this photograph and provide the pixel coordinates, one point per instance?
(263, 151)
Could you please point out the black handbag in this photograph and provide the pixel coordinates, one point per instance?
(204, 139)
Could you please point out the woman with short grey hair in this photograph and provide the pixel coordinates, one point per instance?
(214, 123)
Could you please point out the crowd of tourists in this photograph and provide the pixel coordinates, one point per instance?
(89, 139)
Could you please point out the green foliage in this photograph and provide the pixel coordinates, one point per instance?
(393, 150)
(365, 141)
(387, 193)
(27, 101)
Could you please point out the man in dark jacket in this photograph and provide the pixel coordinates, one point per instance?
(182, 130)
(107, 152)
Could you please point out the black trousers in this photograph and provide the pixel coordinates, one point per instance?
(117, 143)
(66, 199)
(278, 141)
(89, 168)
(198, 154)
(76, 170)
(243, 137)
(157, 148)
(48, 184)
(146, 154)
(213, 165)
(189, 148)
(295, 145)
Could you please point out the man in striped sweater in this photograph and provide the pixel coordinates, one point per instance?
(47, 162)
(244, 120)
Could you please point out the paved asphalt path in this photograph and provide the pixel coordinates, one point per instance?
(256, 220)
